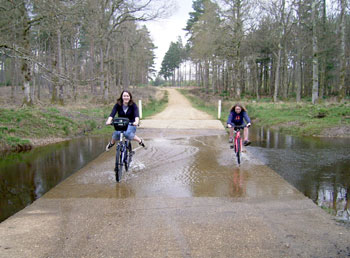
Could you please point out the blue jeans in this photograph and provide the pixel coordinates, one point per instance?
(129, 133)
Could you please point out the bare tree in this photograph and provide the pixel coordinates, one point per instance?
(314, 53)
(342, 50)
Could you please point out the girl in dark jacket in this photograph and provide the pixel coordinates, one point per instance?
(239, 116)
(125, 107)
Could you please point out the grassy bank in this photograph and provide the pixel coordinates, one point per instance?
(303, 119)
(21, 128)
(155, 106)
(18, 127)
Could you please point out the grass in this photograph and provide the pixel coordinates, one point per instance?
(289, 117)
(300, 119)
(154, 106)
(85, 115)
(18, 125)
(200, 104)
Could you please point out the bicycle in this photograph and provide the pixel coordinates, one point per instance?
(124, 152)
(237, 142)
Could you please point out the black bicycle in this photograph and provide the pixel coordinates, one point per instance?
(124, 152)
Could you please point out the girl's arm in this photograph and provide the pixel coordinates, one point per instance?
(112, 115)
(137, 121)
(229, 119)
(246, 118)
(137, 116)
(109, 120)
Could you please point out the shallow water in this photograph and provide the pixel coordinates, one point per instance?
(24, 177)
(182, 164)
(318, 167)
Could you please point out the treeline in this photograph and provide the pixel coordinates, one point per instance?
(279, 48)
(59, 45)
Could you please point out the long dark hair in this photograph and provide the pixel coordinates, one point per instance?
(120, 100)
(238, 105)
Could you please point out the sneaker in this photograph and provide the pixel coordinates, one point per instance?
(230, 140)
(109, 145)
(142, 143)
(246, 142)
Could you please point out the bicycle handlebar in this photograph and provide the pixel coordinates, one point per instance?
(239, 127)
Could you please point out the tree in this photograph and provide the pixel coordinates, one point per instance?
(342, 50)
(314, 53)
(171, 61)
(62, 44)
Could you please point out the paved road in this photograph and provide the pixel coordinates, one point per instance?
(183, 198)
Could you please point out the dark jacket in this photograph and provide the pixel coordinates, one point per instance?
(238, 119)
(131, 113)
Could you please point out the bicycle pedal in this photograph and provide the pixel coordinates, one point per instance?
(232, 146)
(132, 152)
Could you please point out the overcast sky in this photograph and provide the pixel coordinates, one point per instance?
(167, 30)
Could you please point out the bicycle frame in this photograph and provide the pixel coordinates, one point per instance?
(238, 143)
(123, 156)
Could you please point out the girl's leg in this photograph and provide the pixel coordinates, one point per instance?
(115, 136)
(246, 134)
(246, 142)
(136, 138)
(231, 132)
(231, 136)
(130, 134)
(139, 140)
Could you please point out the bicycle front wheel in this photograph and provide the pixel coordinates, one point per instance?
(118, 164)
(128, 156)
(238, 150)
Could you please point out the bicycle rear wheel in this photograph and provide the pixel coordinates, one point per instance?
(118, 164)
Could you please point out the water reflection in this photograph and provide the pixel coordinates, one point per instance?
(25, 177)
(318, 167)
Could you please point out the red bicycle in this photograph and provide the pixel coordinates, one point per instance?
(237, 142)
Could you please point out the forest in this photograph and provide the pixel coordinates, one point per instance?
(279, 49)
(60, 46)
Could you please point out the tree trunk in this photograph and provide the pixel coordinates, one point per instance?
(277, 73)
(206, 75)
(91, 65)
(342, 51)
(60, 69)
(285, 74)
(323, 58)
(126, 65)
(25, 66)
(314, 55)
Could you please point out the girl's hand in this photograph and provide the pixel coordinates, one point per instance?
(229, 125)
(135, 123)
(109, 120)
(249, 124)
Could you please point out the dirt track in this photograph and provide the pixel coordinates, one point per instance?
(179, 114)
(179, 108)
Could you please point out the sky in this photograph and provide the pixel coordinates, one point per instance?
(165, 31)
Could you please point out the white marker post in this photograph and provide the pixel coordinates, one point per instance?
(140, 108)
(219, 109)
